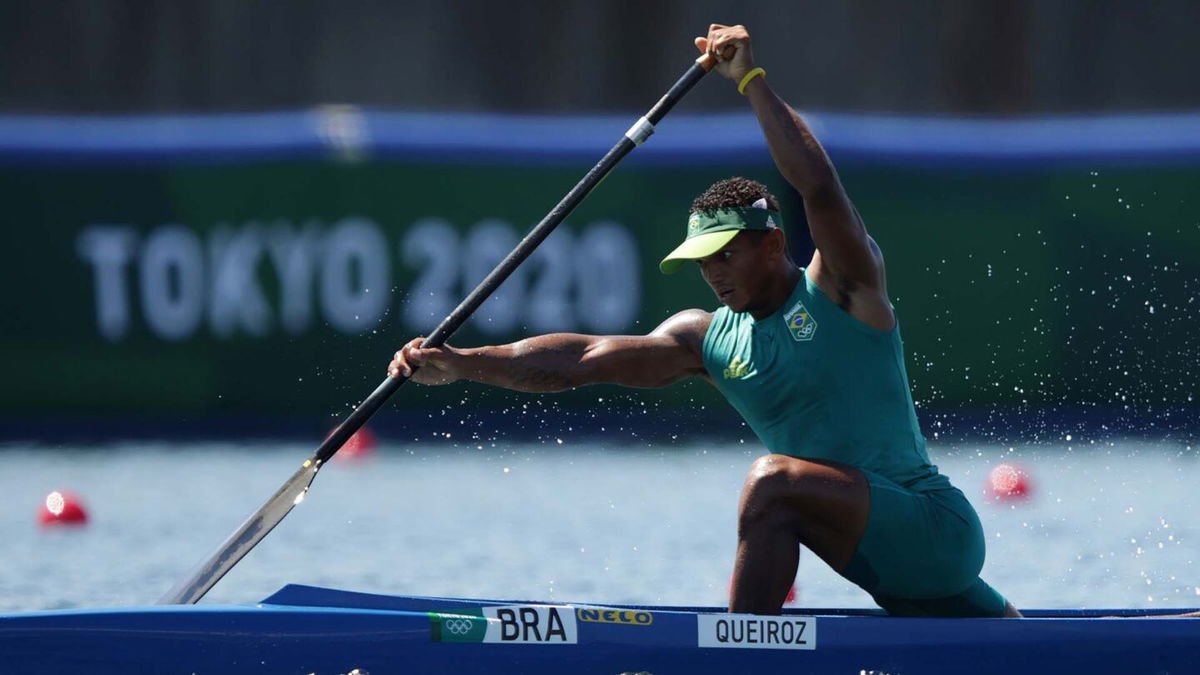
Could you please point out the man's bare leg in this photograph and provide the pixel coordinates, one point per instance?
(786, 502)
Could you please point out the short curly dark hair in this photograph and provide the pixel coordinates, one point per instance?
(736, 191)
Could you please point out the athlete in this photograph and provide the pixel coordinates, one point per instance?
(811, 358)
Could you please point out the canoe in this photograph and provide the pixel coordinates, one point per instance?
(305, 629)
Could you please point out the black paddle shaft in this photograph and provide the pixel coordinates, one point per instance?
(258, 525)
(632, 138)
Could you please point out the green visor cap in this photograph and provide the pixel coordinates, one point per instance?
(709, 231)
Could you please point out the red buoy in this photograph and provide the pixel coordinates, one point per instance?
(62, 508)
(1009, 482)
(359, 446)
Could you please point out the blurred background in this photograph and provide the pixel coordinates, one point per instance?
(236, 211)
(222, 217)
(918, 56)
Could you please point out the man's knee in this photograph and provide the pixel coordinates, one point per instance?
(773, 485)
(779, 475)
(772, 474)
(794, 491)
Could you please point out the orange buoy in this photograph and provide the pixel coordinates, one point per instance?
(62, 508)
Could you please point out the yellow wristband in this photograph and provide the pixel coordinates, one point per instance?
(749, 76)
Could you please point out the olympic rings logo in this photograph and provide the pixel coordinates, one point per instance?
(457, 626)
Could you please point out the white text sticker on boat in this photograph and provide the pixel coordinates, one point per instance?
(507, 624)
(749, 631)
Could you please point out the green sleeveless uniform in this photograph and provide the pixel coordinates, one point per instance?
(814, 382)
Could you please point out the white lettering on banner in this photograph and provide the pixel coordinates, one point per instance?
(182, 280)
(172, 282)
(431, 243)
(531, 624)
(355, 302)
(551, 313)
(109, 248)
(750, 631)
(487, 244)
(595, 277)
(235, 299)
(292, 252)
(609, 284)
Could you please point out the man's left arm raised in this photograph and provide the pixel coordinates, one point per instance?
(847, 260)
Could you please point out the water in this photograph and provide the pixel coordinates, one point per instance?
(1111, 524)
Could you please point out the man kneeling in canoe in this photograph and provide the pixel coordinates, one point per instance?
(811, 358)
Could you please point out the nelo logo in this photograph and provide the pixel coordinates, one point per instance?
(621, 616)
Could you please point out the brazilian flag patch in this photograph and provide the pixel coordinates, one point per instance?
(800, 323)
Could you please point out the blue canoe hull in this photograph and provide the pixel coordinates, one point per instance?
(314, 630)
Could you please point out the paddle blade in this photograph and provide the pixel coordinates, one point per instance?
(240, 542)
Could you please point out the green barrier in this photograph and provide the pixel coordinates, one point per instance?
(286, 287)
(268, 288)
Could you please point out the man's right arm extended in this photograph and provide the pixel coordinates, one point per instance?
(561, 361)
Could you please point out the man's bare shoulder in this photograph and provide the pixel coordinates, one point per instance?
(688, 326)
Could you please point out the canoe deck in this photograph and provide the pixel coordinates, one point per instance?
(303, 629)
